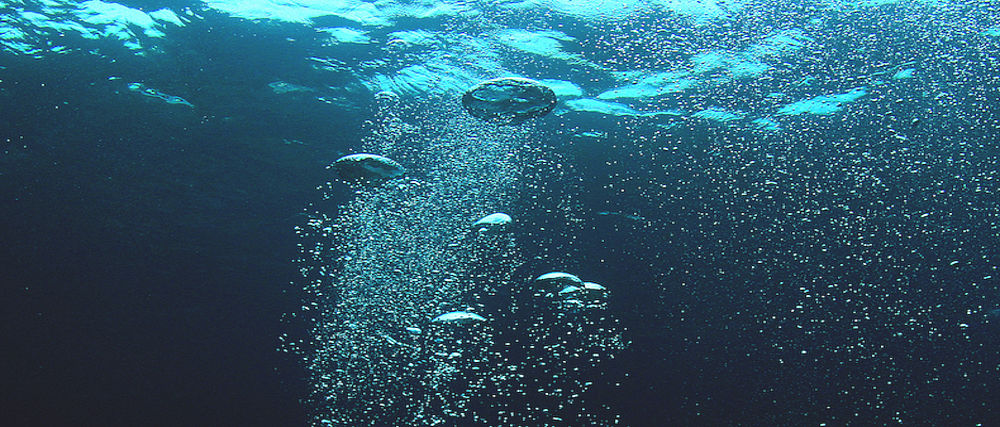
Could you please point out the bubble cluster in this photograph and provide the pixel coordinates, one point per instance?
(420, 322)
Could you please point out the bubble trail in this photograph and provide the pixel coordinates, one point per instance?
(399, 255)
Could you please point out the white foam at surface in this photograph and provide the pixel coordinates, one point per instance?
(346, 35)
(718, 115)
(382, 13)
(904, 74)
(30, 32)
(823, 104)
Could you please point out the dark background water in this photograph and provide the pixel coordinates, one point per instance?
(146, 249)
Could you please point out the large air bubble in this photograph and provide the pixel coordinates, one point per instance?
(557, 280)
(367, 168)
(497, 221)
(459, 318)
(509, 100)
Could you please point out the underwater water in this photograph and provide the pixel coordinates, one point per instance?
(500, 213)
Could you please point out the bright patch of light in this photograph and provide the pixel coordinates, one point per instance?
(823, 104)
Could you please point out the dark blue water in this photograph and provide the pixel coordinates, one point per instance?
(145, 253)
(838, 270)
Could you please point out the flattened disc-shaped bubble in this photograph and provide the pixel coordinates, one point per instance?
(367, 167)
(493, 221)
(569, 290)
(459, 318)
(557, 280)
(593, 291)
(509, 100)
